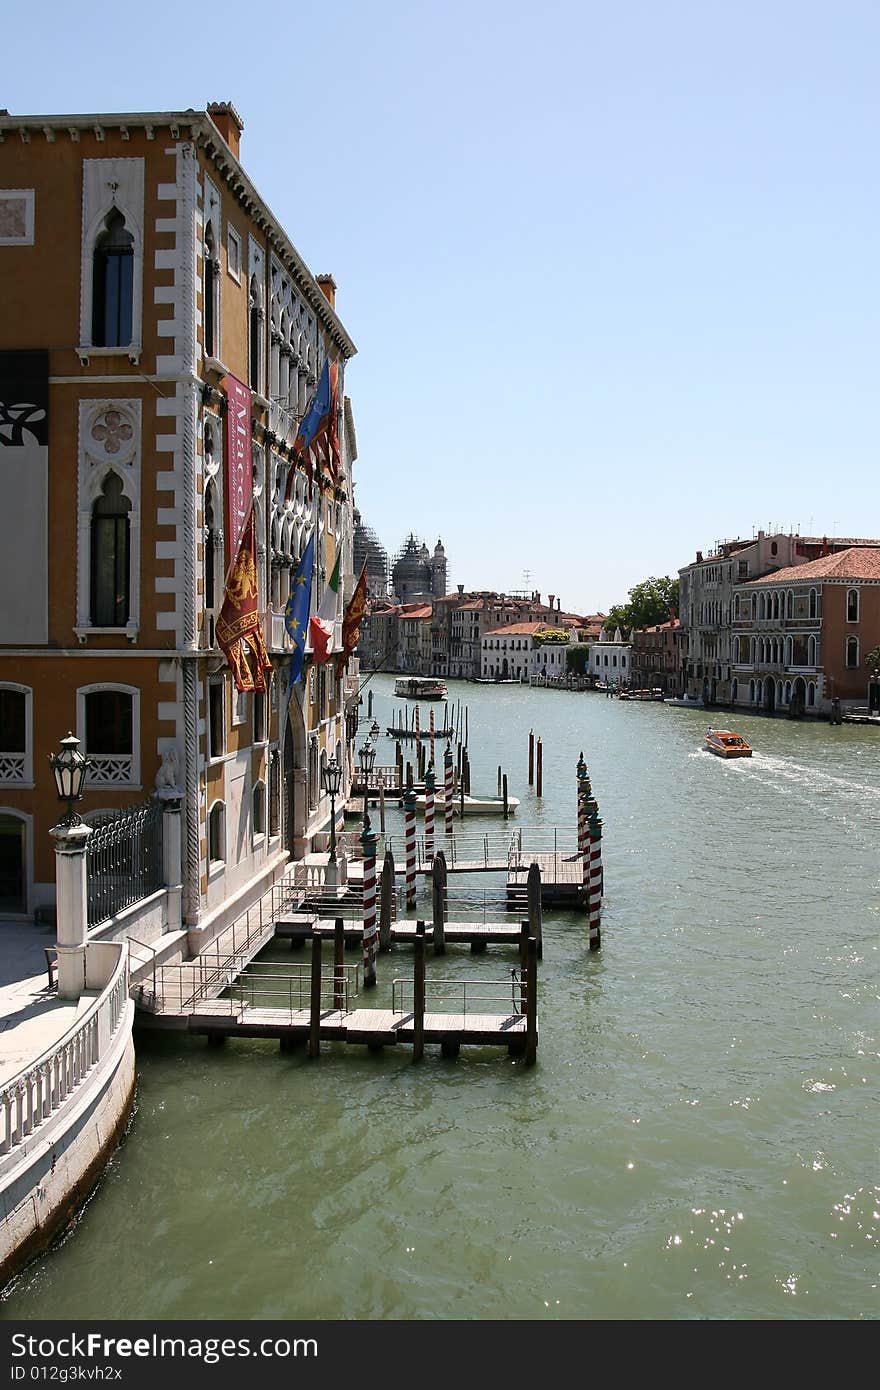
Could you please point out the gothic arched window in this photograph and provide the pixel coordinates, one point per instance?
(113, 283)
(110, 580)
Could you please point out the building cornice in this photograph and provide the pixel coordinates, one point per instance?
(198, 127)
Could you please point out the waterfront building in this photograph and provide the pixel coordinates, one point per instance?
(160, 343)
(706, 589)
(801, 635)
(414, 639)
(506, 652)
(656, 657)
(610, 658)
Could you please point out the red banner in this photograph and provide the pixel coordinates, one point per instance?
(239, 464)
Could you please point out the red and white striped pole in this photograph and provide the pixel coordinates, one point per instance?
(369, 839)
(409, 828)
(448, 788)
(583, 834)
(418, 735)
(432, 737)
(429, 813)
(595, 901)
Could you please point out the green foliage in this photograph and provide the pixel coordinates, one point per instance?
(551, 637)
(872, 661)
(651, 602)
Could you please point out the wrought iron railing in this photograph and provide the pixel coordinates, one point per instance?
(123, 860)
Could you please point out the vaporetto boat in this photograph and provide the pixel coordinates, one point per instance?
(420, 688)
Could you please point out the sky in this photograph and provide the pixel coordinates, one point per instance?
(611, 269)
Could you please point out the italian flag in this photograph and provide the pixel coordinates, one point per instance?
(321, 625)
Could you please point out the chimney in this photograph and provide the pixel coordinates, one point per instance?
(699, 557)
(552, 597)
(461, 588)
(228, 122)
(328, 286)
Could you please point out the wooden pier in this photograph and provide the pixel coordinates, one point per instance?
(314, 1010)
(300, 927)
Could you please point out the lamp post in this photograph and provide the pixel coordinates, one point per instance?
(69, 768)
(71, 836)
(367, 759)
(331, 776)
(375, 731)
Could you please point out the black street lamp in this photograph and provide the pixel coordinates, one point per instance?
(367, 759)
(375, 731)
(331, 776)
(69, 768)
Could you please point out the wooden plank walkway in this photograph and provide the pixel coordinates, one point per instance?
(370, 1027)
(562, 879)
(300, 927)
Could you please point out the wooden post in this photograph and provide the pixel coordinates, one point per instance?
(409, 774)
(315, 999)
(438, 884)
(371, 936)
(539, 770)
(531, 758)
(504, 796)
(398, 758)
(386, 901)
(467, 774)
(465, 726)
(370, 705)
(499, 779)
(419, 993)
(523, 962)
(448, 792)
(531, 1002)
(338, 966)
(533, 899)
(418, 734)
(382, 807)
(409, 826)
(420, 762)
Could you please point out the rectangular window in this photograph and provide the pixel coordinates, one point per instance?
(12, 721)
(108, 722)
(233, 254)
(239, 706)
(259, 716)
(216, 720)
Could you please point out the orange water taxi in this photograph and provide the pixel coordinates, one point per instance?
(726, 744)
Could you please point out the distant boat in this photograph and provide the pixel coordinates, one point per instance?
(686, 701)
(420, 688)
(726, 744)
(473, 805)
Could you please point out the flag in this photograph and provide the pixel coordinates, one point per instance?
(296, 610)
(351, 623)
(321, 625)
(316, 422)
(238, 630)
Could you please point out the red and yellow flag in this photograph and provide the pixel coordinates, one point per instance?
(351, 622)
(239, 632)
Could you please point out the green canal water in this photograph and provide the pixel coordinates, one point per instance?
(697, 1140)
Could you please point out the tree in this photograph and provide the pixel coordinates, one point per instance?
(651, 602)
(872, 661)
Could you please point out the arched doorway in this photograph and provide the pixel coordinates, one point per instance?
(13, 865)
(770, 694)
(504, 670)
(798, 698)
(295, 797)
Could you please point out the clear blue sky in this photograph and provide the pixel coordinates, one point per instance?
(612, 269)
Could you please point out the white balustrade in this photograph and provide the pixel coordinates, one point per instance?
(35, 1094)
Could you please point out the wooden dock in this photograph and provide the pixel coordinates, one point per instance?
(300, 927)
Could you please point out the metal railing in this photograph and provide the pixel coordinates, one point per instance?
(29, 1099)
(123, 860)
(494, 997)
(291, 985)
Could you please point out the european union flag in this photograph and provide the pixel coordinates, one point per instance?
(296, 610)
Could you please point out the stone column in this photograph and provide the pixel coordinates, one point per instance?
(171, 799)
(71, 906)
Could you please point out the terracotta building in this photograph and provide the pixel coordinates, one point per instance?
(160, 343)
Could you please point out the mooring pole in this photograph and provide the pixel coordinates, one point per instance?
(315, 999)
(531, 757)
(429, 813)
(438, 905)
(533, 899)
(431, 717)
(338, 963)
(371, 936)
(539, 770)
(448, 791)
(419, 993)
(595, 908)
(409, 828)
(386, 901)
(504, 796)
(532, 1003)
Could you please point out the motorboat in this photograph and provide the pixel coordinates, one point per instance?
(470, 805)
(726, 744)
(420, 688)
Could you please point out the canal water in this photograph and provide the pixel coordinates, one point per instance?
(697, 1140)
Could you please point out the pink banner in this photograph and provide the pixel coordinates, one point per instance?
(239, 465)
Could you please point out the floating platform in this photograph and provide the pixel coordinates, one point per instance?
(298, 928)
